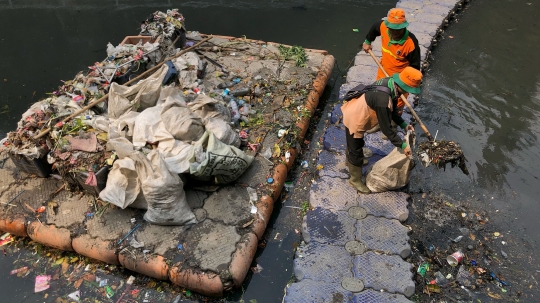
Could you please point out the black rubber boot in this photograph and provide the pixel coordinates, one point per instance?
(356, 179)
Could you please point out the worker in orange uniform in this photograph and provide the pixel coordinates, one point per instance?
(399, 47)
(376, 106)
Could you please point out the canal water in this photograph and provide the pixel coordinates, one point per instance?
(482, 90)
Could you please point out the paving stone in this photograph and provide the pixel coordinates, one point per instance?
(330, 227)
(378, 145)
(332, 193)
(334, 139)
(160, 239)
(353, 285)
(309, 291)
(320, 262)
(334, 164)
(372, 296)
(426, 18)
(211, 244)
(381, 234)
(364, 59)
(229, 205)
(427, 28)
(355, 247)
(71, 209)
(362, 73)
(424, 40)
(256, 172)
(195, 198)
(114, 224)
(391, 205)
(384, 272)
(337, 114)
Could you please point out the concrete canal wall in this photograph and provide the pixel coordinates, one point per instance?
(356, 246)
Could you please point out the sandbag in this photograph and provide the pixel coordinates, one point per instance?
(122, 184)
(142, 95)
(215, 158)
(181, 122)
(223, 131)
(206, 107)
(148, 127)
(164, 193)
(391, 172)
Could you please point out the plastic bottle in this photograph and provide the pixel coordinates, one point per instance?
(225, 92)
(234, 111)
(241, 91)
(226, 84)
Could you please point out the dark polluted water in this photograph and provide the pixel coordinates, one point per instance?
(483, 91)
(48, 41)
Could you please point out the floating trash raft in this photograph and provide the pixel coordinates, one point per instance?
(196, 132)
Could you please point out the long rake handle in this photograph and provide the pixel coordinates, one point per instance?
(424, 128)
(153, 69)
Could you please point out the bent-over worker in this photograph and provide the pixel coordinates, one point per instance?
(372, 108)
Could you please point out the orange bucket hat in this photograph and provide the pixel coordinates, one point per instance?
(409, 80)
(396, 19)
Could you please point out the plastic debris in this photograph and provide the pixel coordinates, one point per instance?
(422, 269)
(304, 164)
(441, 280)
(6, 239)
(288, 186)
(42, 283)
(180, 246)
(76, 295)
(18, 270)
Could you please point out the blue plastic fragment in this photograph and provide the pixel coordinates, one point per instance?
(473, 262)
(270, 180)
(180, 246)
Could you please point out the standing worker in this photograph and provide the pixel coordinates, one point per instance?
(376, 106)
(399, 46)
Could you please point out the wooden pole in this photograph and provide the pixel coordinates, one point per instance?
(146, 73)
(424, 128)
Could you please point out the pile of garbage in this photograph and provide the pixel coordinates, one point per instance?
(189, 119)
(440, 153)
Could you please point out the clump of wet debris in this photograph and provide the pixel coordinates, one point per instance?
(459, 257)
(440, 153)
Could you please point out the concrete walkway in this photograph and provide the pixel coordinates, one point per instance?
(355, 245)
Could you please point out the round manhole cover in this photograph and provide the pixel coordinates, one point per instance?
(200, 214)
(352, 284)
(355, 247)
(357, 212)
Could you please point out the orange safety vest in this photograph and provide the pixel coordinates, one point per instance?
(394, 56)
(358, 117)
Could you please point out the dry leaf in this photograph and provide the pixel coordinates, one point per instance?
(65, 267)
(73, 260)
(78, 283)
(494, 296)
(59, 261)
(473, 237)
